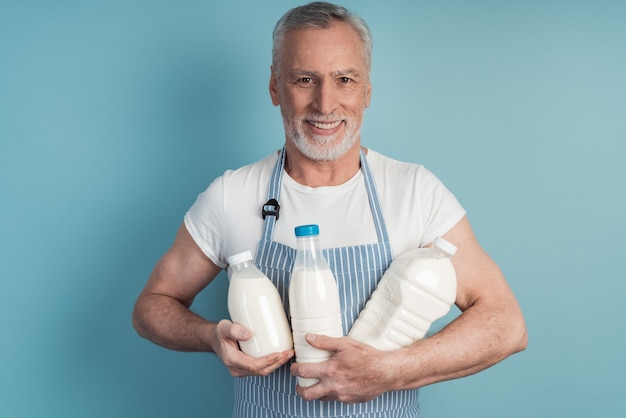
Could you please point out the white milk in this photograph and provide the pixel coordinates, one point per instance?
(313, 299)
(254, 302)
(418, 288)
(315, 308)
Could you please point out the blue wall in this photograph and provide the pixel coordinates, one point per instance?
(114, 115)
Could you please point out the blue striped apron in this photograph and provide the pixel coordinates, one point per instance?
(357, 270)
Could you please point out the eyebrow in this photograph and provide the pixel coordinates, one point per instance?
(339, 73)
(350, 71)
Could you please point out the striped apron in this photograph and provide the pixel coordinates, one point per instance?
(357, 270)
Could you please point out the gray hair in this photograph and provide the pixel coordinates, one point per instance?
(320, 15)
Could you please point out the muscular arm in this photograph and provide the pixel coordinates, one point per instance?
(490, 328)
(162, 312)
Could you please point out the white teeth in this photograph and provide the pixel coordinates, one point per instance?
(325, 125)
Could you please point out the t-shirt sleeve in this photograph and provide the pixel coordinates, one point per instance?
(441, 211)
(204, 221)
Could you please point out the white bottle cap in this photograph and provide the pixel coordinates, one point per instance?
(239, 258)
(444, 245)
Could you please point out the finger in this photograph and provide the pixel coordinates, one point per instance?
(273, 361)
(233, 331)
(241, 364)
(262, 366)
(309, 370)
(324, 342)
(306, 370)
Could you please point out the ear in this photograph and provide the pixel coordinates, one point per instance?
(274, 88)
(368, 94)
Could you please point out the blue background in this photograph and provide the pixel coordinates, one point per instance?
(115, 115)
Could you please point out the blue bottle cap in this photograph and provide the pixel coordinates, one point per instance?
(307, 230)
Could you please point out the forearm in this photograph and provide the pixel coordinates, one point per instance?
(490, 328)
(162, 313)
(167, 322)
(479, 338)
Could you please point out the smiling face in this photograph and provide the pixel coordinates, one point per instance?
(322, 86)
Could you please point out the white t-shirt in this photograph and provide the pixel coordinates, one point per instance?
(226, 218)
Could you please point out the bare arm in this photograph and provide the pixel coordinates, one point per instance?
(162, 314)
(490, 328)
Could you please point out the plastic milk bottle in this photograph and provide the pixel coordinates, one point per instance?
(254, 302)
(313, 299)
(418, 288)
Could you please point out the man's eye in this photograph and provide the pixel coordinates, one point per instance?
(303, 82)
(345, 80)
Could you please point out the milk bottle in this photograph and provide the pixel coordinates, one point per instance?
(313, 299)
(254, 302)
(418, 288)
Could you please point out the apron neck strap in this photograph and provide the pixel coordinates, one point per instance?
(370, 185)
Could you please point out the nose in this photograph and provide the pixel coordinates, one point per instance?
(325, 100)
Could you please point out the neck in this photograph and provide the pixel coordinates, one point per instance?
(322, 173)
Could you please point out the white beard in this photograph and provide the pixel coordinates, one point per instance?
(318, 147)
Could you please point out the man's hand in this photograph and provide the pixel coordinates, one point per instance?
(354, 373)
(226, 347)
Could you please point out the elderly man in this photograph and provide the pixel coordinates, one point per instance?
(363, 201)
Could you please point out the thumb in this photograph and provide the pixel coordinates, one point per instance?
(323, 342)
(235, 331)
(240, 333)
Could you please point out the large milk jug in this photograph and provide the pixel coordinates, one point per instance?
(313, 299)
(254, 302)
(418, 288)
